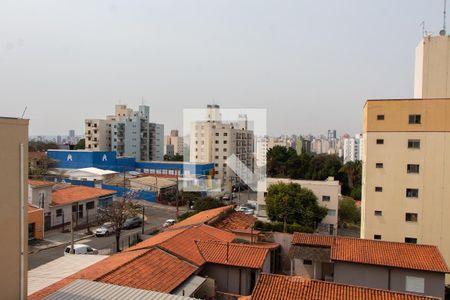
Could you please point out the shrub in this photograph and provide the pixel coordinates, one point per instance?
(186, 215)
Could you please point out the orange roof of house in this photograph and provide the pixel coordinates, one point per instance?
(363, 251)
(203, 216)
(156, 239)
(75, 193)
(232, 254)
(281, 287)
(183, 244)
(156, 270)
(39, 183)
(235, 221)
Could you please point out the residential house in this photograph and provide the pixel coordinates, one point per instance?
(384, 265)
(35, 223)
(281, 287)
(60, 201)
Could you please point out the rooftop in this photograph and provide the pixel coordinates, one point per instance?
(39, 183)
(281, 287)
(75, 193)
(236, 222)
(383, 253)
(203, 217)
(96, 171)
(32, 208)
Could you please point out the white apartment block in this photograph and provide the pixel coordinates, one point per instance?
(353, 148)
(261, 151)
(215, 140)
(127, 132)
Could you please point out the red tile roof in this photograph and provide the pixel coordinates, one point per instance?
(232, 254)
(235, 221)
(281, 287)
(75, 193)
(156, 239)
(32, 208)
(392, 254)
(183, 244)
(156, 270)
(204, 217)
(39, 183)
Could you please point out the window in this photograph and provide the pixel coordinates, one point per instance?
(378, 213)
(224, 157)
(412, 193)
(224, 149)
(380, 141)
(377, 236)
(410, 240)
(378, 189)
(90, 205)
(217, 141)
(225, 134)
(412, 168)
(415, 284)
(411, 217)
(59, 212)
(216, 157)
(217, 149)
(326, 198)
(307, 262)
(217, 134)
(379, 165)
(414, 119)
(332, 212)
(224, 142)
(414, 144)
(380, 117)
(224, 165)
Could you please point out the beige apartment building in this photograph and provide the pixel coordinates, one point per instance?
(14, 208)
(215, 140)
(406, 172)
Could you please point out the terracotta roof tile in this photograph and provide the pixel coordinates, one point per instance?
(156, 239)
(156, 270)
(235, 221)
(39, 183)
(183, 244)
(203, 217)
(232, 254)
(392, 254)
(74, 193)
(281, 287)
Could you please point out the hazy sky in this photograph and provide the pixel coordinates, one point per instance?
(311, 64)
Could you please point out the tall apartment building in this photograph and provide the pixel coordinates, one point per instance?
(215, 140)
(352, 148)
(261, 151)
(13, 213)
(432, 68)
(406, 172)
(127, 132)
(174, 143)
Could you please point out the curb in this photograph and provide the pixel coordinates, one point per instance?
(61, 243)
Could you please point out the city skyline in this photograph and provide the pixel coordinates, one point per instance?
(181, 58)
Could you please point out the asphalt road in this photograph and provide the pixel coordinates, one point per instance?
(156, 216)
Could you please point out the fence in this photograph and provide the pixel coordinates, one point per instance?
(124, 243)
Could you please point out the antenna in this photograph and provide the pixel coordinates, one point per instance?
(443, 31)
(424, 32)
(24, 112)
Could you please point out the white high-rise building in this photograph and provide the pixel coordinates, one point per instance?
(261, 151)
(353, 148)
(127, 132)
(215, 140)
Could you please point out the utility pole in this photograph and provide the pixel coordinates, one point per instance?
(143, 218)
(177, 192)
(72, 249)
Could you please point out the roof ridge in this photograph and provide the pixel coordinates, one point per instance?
(162, 248)
(145, 251)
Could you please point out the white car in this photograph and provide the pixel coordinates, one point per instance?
(80, 249)
(169, 222)
(245, 210)
(104, 230)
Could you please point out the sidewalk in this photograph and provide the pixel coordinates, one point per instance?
(55, 238)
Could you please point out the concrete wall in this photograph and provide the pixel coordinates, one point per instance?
(229, 279)
(379, 277)
(37, 217)
(13, 133)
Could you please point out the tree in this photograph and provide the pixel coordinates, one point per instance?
(80, 145)
(118, 212)
(176, 157)
(323, 166)
(351, 178)
(206, 203)
(348, 212)
(290, 203)
(38, 146)
(277, 158)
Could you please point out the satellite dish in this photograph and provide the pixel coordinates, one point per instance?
(442, 32)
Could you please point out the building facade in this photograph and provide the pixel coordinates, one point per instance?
(406, 172)
(214, 141)
(174, 144)
(128, 132)
(432, 68)
(352, 148)
(13, 209)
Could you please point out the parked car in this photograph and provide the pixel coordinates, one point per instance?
(169, 222)
(104, 230)
(133, 222)
(245, 210)
(80, 249)
(226, 197)
(233, 195)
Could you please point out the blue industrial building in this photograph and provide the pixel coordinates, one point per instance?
(108, 160)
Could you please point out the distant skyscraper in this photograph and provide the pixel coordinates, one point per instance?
(353, 148)
(71, 134)
(174, 143)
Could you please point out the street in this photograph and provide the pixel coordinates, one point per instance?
(156, 215)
